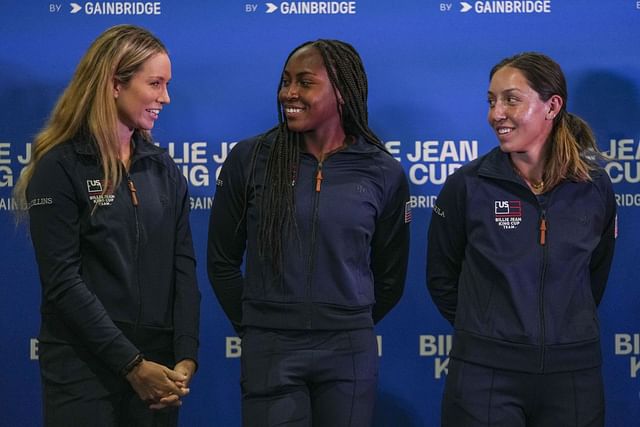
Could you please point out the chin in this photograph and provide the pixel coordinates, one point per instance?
(504, 147)
(294, 128)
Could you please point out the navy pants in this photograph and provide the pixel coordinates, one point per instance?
(476, 395)
(78, 390)
(308, 378)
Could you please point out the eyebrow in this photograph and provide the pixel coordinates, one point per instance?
(508, 91)
(302, 73)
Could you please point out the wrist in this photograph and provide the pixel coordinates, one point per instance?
(135, 362)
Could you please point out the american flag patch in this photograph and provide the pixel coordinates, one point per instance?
(508, 208)
(407, 212)
(94, 186)
(508, 213)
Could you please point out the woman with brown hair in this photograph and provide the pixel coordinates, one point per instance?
(519, 250)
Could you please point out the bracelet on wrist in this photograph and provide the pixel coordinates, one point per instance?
(131, 365)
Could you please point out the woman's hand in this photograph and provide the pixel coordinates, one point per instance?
(158, 385)
(187, 367)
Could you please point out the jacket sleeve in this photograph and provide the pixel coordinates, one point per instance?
(446, 243)
(186, 303)
(390, 246)
(227, 238)
(55, 232)
(603, 254)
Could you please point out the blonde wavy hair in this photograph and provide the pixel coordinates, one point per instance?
(88, 106)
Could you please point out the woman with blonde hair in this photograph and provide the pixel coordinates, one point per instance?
(109, 219)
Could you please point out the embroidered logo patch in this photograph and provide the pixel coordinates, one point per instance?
(39, 201)
(508, 213)
(94, 188)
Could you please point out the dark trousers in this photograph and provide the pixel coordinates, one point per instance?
(77, 390)
(308, 378)
(480, 396)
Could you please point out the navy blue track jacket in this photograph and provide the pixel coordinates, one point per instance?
(521, 297)
(346, 265)
(116, 278)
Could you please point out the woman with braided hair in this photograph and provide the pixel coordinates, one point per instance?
(319, 210)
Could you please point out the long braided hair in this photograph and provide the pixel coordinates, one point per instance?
(277, 207)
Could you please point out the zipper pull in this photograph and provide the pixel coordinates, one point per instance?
(543, 230)
(319, 178)
(132, 191)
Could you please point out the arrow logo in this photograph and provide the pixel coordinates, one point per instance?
(75, 7)
(271, 7)
(465, 7)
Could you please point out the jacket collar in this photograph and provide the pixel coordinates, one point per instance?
(85, 144)
(360, 145)
(496, 164)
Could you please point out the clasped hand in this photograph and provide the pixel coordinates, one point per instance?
(160, 386)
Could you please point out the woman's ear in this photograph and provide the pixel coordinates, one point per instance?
(554, 105)
(116, 88)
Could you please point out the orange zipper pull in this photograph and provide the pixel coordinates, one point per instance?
(319, 179)
(133, 191)
(543, 231)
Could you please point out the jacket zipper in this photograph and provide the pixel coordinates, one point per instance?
(314, 224)
(319, 177)
(314, 232)
(543, 243)
(133, 192)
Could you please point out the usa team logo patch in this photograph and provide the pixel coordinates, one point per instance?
(508, 213)
(95, 190)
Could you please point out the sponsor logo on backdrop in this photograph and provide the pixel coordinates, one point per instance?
(624, 167)
(197, 162)
(498, 6)
(233, 347)
(33, 349)
(304, 7)
(11, 163)
(628, 345)
(436, 347)
(9, 176)
(430, 162)
(507, 6)
(112, 8)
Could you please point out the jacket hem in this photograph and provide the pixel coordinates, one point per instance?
(305, 316)
(550, 358)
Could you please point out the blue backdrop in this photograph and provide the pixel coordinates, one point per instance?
(428, 65)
